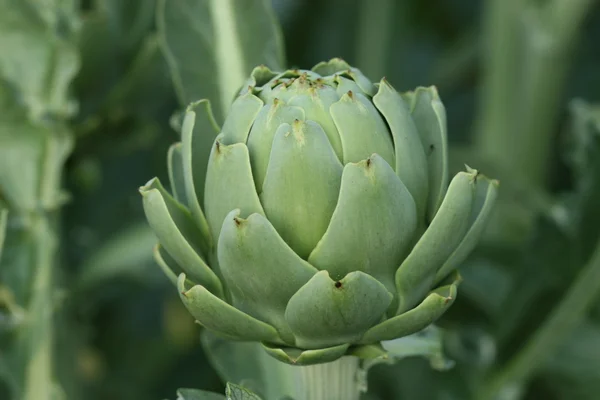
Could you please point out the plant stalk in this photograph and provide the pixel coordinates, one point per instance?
(39, 336)
(373, 39)
(342, 379)
(526, 66)
(565, 318)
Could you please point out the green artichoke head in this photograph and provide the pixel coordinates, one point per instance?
(318, 218)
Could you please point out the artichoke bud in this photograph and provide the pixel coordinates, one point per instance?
(321, 218)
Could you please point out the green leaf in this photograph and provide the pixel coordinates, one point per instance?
(427, 343)
(236, 392)
(130, 20)
(211, 46)
(195, 394)
(232, 392)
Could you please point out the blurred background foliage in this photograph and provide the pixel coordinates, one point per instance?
(86, 100)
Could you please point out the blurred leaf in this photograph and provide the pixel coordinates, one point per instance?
(414, 379)
(144, 88)
(37, 37)
(487, 284)
(130, 20)
(426, 343)
(127, 253)
(211, 46)
(3, 218)
(584, 159)
(117, 82)
(574, 370)
(101, 64)
(195, 394)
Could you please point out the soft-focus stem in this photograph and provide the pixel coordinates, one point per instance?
(565, 318)
(38, 335)
(528, 57)
(501, 47)
(38, 233)
(338, 380)
(373, 39)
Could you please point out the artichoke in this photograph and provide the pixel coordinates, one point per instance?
(322, 221)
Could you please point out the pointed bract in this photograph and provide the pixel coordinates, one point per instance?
(302, 184)
(361, 128)
(411, 164)
(429, 115)
(417, 273)
(222, 318)
(176, 175)
(372, 226)
(260, 269)
(327, 312)
(198, 133)
(176, 231)
(240, 118)
(296, 356)
(260, 140)
(412, 321)
(485, 197)
(229, 185)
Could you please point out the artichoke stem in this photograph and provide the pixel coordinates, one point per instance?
(342, 379)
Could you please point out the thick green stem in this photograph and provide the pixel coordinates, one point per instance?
(570, 312)
(500, 70)
(338, 380)
(526, 65)
(39, 337)
(31, 261)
